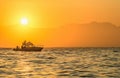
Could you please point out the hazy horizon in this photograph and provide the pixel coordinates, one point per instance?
(64, 23)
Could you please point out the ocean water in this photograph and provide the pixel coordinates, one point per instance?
(61, 63)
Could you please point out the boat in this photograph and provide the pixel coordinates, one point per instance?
(28, 46)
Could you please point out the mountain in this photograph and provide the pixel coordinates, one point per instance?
(95, 34)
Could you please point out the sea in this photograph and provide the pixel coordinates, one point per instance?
(61, 63)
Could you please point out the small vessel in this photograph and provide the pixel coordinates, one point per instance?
(28, 46)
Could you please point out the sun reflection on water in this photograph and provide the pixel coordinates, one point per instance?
(59, 64)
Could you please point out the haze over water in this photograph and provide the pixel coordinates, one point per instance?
(60, 23)
(61, 63)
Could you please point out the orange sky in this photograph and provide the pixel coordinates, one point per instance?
(60, 23)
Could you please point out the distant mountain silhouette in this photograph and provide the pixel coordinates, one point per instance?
(90, 34)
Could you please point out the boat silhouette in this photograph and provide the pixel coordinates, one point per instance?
(28, 46)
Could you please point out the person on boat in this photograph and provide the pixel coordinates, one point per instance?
(23, 44)
(17, 47)
(26, 44)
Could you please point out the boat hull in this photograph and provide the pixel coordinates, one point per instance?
(29, 49)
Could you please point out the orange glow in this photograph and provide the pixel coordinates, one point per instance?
(58, 23)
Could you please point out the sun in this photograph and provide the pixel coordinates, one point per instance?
(24, 21)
